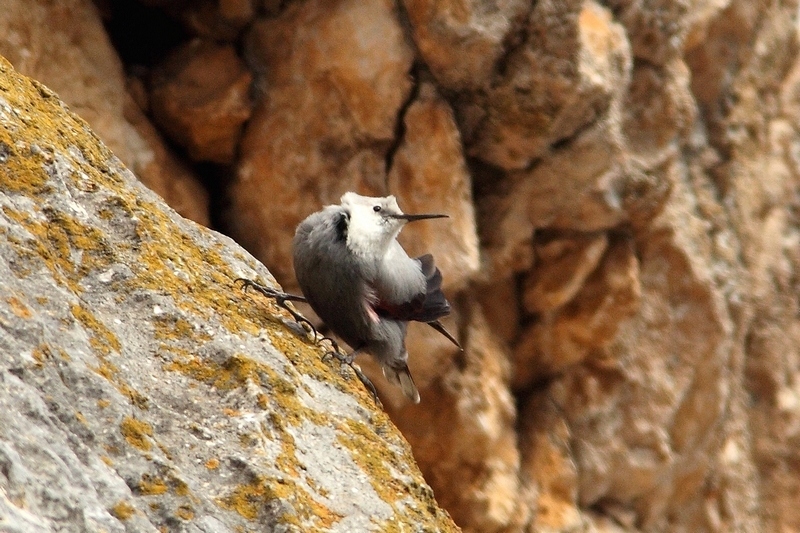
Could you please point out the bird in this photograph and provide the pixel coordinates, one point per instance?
(363, 285)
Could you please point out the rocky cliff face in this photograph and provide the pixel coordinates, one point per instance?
(623, 181)
(140, 390)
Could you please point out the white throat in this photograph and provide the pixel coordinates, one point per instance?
(367, 237)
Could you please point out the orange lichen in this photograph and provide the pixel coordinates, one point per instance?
(122, 510)
(136, 432)
(151, 486)
(18, 308)
(185, 512)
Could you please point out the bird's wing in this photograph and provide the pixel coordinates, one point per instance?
(426, 305)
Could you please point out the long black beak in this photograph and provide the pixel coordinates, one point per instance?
(412, 218)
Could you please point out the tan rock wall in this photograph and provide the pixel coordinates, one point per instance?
(623, 248)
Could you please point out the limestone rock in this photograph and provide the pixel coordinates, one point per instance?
(75, 58)
(657, 28)
(562, 266)
(659, 110)
(547, 469)
(568, 335)
(200, 97)
(221, 20)
(500, 302)
(477, 30)
(463, 435)
(139, 389)
(335, 76)
(429, 175)
(565, 77)
(580, 186)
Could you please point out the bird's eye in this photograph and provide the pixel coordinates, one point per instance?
(376, 208)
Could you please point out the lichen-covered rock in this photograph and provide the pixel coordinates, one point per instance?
(140, 390)
(64, 45)
(622, 258)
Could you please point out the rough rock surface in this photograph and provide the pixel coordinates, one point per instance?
(622, 254)
(333, 86)
(139, 389)
(64, 45)
(200, 97)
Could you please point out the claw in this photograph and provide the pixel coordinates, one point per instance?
(349, 360)
(366, 382)
(280, 299)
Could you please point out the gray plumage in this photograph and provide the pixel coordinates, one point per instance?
(363, 285)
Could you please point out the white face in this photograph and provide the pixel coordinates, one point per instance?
(370, 229)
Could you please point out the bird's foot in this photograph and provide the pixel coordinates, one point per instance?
(336, 353)
(349, 360)
(367, 383)
(280, 299)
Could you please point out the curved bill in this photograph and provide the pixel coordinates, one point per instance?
(412, 218)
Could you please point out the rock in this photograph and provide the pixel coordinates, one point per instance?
(429, 175)
(476, 30)
(567, 336)
(84, 69)
(335, 76)
(501, 307)
(562, 266)
(566, 76)
(140, 390)
(547, 469)
(200, 97)
(221, 20)
(581, 186)
(162, 171)
(464, 438)
(657, 29)
(659, 110)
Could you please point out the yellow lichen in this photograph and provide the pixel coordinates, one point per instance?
(179, 486)
(122, 510)
(136, 432)
(152, 486)
(185, 512)
(236, 371)
(249, 499)
(262, 400)
(102, 339)
(18, 308)
(41, 354)
(136, 398)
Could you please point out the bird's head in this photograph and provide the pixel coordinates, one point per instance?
(375, 222)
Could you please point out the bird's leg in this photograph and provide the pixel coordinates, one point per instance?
(332, 353)
(280, 298)
(349, 360)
